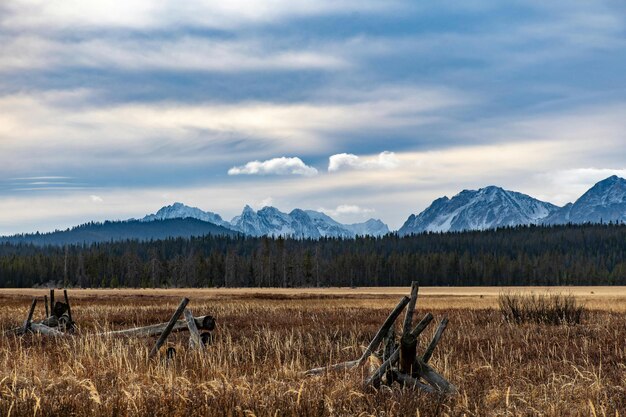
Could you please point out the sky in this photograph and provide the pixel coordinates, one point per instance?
(111, 110)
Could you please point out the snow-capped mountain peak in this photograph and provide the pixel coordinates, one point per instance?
(604, 202)
(481, 209)
(270, 221)
(182, 211)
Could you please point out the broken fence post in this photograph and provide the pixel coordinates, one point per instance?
(30, 316)
(375, 377)
(69, 309)
(195, 341)
(408, 318)
(45, 300)
(383, 330)
(169, 327)
(408, 349)
(52, 301)
(433, 343)
(390, 346)
(435, 379)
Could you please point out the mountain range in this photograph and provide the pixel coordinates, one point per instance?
(269, 221)
(493, 207)
(487, 208)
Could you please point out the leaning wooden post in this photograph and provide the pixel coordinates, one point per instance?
(389, 347)
(435, 340)
(195, 341)
(30, 316)
(408, 348)
(419, 328)
(69, 309)
(434, 378)
(52, 301)
(383, 330)
(169, 327)
(408, 318)
(45, 300)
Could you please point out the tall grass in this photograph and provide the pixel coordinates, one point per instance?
(254, 367)
(541, 308)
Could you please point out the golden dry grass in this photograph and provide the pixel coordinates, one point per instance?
(266, 338)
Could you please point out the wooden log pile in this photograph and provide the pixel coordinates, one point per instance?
(401, 361)
(58, 322)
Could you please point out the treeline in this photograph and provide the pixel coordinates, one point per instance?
(525, 255)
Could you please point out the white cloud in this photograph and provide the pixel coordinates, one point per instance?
(149, 14)
(269, 201)
(385, 160)
(187, 53)
(96, 198)
(569, 184)
(53, 126)
(346, 209)
(275, 166)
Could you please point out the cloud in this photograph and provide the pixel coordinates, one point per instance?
(184, 53)
(149, 14)
(96, 198)
(569, 184)
(259, 204)
(346, 209)
(275, 166)
(49, 128)
(385, 160)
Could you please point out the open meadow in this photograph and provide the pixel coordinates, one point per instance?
(266, 338)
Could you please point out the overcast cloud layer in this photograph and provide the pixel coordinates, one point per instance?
(110, 110)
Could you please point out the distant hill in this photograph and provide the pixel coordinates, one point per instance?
(122, 230)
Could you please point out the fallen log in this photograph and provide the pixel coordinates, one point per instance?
(64, 322)
(336, 367)
(409, 381)
(45, 330)
(202, 323)
(51, 321)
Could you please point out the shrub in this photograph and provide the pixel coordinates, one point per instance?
(544, 309)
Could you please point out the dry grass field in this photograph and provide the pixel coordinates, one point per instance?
(265, 339)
